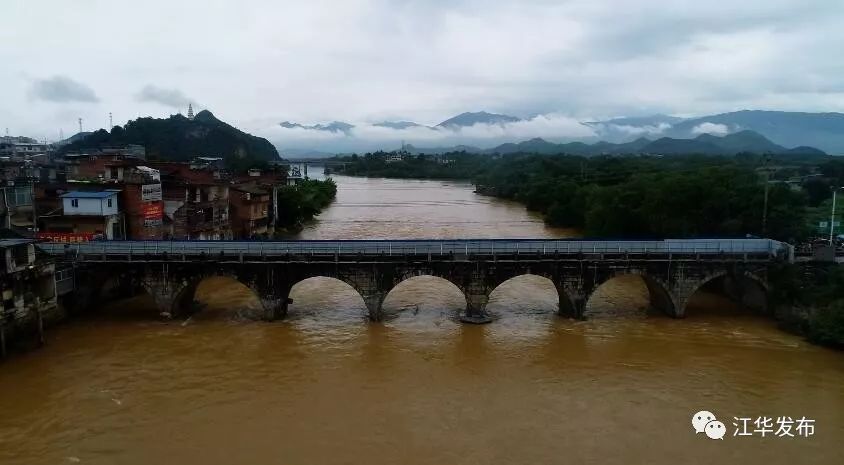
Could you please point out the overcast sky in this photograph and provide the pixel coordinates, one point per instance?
(256, 63)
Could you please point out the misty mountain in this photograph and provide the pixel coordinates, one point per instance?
(399, 124)
(481, 117)
(639, 121)
(180, 139)
(825, 131)
(822, 130)
(704, 144)
(334, 126)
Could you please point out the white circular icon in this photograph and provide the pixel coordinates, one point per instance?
(715, 430)
(700, 419)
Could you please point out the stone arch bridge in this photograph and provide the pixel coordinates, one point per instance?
(673, 270)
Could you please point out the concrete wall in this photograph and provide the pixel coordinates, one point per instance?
(88, 206)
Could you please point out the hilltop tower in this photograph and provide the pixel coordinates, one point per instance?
(190, 111)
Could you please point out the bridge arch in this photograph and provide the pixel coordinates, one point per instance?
(177, 297)
(409, 279)
(744, 288)
(565, 303)
(345, 286)
(660, 296)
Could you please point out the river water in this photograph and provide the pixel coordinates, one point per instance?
(325, 386)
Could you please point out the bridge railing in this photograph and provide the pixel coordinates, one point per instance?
(765, 247)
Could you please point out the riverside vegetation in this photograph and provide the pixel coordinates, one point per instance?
(301, 203)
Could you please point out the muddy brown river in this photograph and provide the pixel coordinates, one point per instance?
(324, 386)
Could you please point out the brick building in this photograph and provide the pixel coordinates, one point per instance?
(195, 201)
(249, 213)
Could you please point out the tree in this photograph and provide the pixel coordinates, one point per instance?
(817, 190)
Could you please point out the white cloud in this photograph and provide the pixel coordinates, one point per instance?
(370, 60)
(711, 128)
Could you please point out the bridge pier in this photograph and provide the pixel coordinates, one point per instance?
(275, 307)
(373, 302)
(172, 300)
(476, 309)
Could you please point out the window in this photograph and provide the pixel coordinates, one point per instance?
(109, 203)
(74, 203)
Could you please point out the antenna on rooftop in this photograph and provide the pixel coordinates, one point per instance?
(7, 132)
(61, 134)
(80, 124)
(110, 122)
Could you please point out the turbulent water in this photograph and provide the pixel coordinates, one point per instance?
(325, 386)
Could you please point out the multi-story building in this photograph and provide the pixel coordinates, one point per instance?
(269, 180)
(141, 198)
(28, 287)
(21, 148)
(85, 216)
(250, 211)
(195, 202)
(17, 210)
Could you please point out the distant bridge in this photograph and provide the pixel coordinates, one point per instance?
(673, 270)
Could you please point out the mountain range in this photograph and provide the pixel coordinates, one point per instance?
(786, 129)
(822, 130)
(704, 144)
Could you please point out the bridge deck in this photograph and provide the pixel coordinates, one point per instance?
(761, 248)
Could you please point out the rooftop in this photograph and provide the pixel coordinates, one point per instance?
(6, 243)
(250, 188)
(89, 195)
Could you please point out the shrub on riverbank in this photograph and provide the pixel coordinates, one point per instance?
(826, 325)
(301, 203)
(808, 301)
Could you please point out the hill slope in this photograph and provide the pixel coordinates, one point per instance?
(481, 117)
(822, 130)
(179, 139)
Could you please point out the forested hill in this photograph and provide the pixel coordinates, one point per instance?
(179, 139)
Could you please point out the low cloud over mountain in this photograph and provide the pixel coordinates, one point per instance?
(481, 129)
(486, 130)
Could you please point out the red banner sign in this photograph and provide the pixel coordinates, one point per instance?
(153, 211)
(65, 237)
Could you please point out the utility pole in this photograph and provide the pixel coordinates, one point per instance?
(832, 219)
(765, 203)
